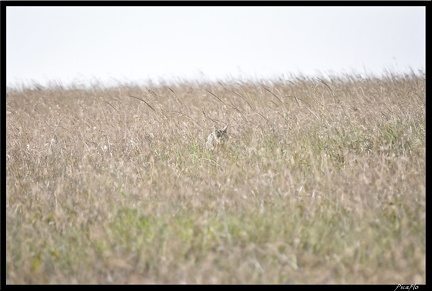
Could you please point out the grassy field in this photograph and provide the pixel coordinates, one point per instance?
(322, 181)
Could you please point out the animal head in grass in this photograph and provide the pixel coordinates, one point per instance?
(217, 138)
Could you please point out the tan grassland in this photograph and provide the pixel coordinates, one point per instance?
(321, 181)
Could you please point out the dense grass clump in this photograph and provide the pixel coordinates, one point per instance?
(321, 181)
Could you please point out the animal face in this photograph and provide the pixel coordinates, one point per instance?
(222, 133)
(218, 137)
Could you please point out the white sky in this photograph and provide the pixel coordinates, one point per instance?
(134, 44)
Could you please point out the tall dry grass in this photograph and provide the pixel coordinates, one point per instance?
(322, 181)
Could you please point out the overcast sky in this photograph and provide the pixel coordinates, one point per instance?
(133, 44)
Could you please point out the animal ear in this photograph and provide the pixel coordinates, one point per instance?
(225, 128)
